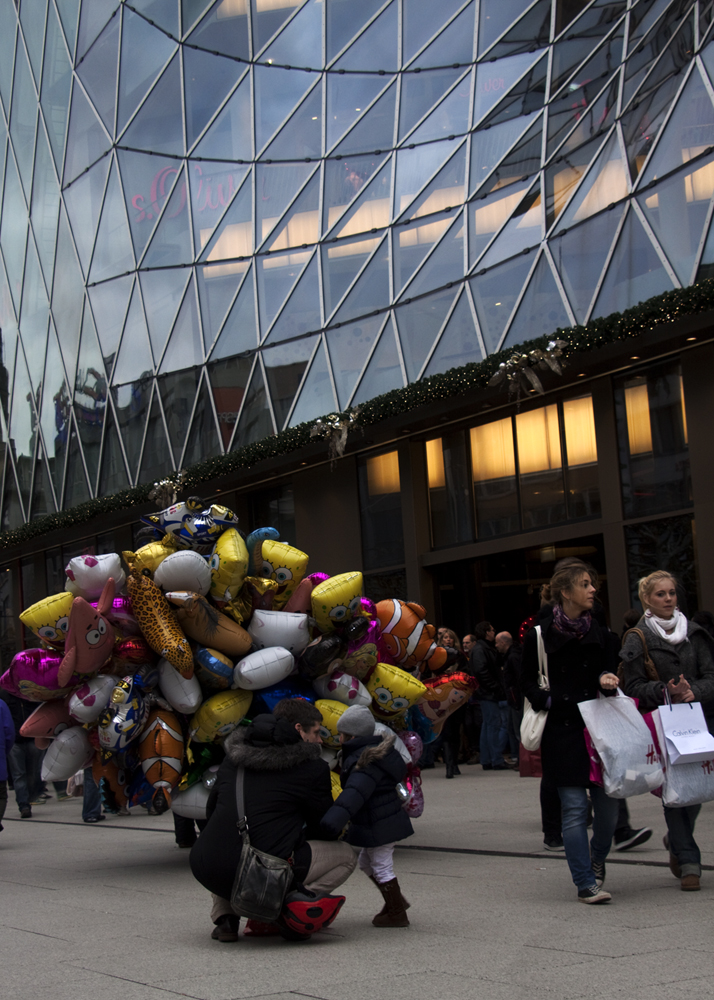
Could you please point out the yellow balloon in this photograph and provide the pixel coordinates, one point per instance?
(393, 690)
(336, 786)
(49, 618)
(149, 556)
(330, 712)
(336, 600)
(219, 715)
(286, 565)
(229, 565)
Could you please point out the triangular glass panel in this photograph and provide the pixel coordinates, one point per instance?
(707, 55)
(67, 295)
(413, 241)
(8, 345)
(90, 424)
(98, 72)
(178, 392)
(347, 98)
(276, 92)
(642, 18)
(113, 476)
(144, 53)
(605, 184)
(641, 124)
(675, 59)
(570, 105)
(651, 57)
(75, 490)
(8, 29)
(415, 167)
(349, 347)
(371, 291)
(302, 135)
(447, 261)
(23, 118)
(384, 371)
(87, 139)
(301, 313)
(495, 294)
(207, 81)
(375, 131)
(12, 513)
(377, 48)
(455, 43)
(420, 92)
(113, 253)
(300, 42)
(370, 211)
(593, 123)
(171, 242)
(419, 325)
(185, 348)
(131, 403)
(493, 80)
(451, 117)
(240, 331)
(284, 370)
(316, 396)
(32, 19)
(56, 84)
(156, 458)
(526, 96)
(162, 291)
(255, 421)
(563, 176)
(299, 227)
(215, 294)
(69, 15)
(83, 201)
(147, 182)
(229, 379)
(109, 305)
(158, 124)
(344, 179)
(459, 343)
(191, 10)
(677, 210)
(213, 190)
(276, 186)
(706, 14)
(45, 206)
(203, 441)
(340, 266)
(268, 18)
(13, 229)
(163, 13)
(344, 20)
(224, 29)
(577, 45)
(688, 132)
(521, 163)
(531, 32)
(42, 499)
(444, 192)
(55, 413)
(276, 277)
(580, 257)
(541, 310)
(94, 17)
(421, 19)
(34, 316)
(134, 359)
(522, 231)
(22, 430)
(635, 273)
(90, 395)
(230, 135)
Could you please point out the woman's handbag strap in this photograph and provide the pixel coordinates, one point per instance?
(242, 823)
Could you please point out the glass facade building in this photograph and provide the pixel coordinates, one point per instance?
(222, 219)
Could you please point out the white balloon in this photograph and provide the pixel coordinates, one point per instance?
(182, 693)
(192, 802)
(279, 628)
(263, 668)
(67, 753)
(340, 686)
(381, 730)
(184, 570)
(86, 575)
(88, 702)
(330, 756)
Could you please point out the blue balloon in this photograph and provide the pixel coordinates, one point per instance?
(268, 698)
(214, 670)
(254, 539)
(418, 723)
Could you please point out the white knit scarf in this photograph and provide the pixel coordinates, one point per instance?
(672, 629)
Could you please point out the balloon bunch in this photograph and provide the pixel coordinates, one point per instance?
(143, 672)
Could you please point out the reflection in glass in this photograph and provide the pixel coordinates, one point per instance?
(56, 82)
(131, 404)
(635, 273)
(156, 458)
(449, 492)
(178, 392)
(666, 543)
(375, 130)
(98, 73)
(381, 511)
(229, 379)
(23, 117)
(493, 464)
(284, 370)
(384, 371)
(144, 52)
(275, 508)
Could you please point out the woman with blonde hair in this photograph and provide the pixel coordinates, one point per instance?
(678, 660)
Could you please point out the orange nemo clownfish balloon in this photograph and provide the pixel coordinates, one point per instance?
(406, 635)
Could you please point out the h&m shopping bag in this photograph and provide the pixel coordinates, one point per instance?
(686, 733)
(619, 734)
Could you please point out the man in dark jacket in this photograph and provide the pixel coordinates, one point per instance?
(287, 791)
(492, 692)
(24, 759)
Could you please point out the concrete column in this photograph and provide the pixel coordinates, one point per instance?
(697, 373)
(415, 522)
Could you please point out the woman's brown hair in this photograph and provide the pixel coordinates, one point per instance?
(567, 576)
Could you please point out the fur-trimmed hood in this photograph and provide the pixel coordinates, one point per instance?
(372, 755)
(268, 758)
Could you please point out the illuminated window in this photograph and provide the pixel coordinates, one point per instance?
(435, 464)
(538, 440)
(380, 504)
(579, 422)
(383, 474)
(639, 427)
(450, 502)
(492, 454)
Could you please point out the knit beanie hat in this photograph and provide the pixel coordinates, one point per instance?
(356, 721)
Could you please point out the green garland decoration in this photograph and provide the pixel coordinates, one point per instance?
(661, 309)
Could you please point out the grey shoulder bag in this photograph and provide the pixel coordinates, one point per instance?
(261, 880)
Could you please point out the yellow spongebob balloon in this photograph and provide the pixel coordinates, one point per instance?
(336, 785)
(330, 712)
(219, 715)
(393, 691)
(336, 600)
(229, 565)
(149, 556)
(286, 565)
(49, 618)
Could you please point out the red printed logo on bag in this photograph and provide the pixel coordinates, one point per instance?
(652, 755)
(708, 766)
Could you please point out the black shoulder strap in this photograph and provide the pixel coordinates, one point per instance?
(242, 820)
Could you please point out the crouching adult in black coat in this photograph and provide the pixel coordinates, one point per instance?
(287, 790)
(371, 770)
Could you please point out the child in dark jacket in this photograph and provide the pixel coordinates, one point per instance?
(371, 770)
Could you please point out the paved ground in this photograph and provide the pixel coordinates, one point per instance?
(112, 912)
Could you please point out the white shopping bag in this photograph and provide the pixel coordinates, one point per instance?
(686, 735)
(621, 737)
(684, 784)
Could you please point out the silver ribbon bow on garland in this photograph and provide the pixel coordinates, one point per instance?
(334, 428)
(167, 489)
(519, 370)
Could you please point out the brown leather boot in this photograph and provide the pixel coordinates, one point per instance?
(396, 915)
(405, 902)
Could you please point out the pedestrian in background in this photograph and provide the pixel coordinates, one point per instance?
(7, 741)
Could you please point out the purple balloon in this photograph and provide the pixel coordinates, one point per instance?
(414, 806)
(318, 578)
(369, 607)
(33, 675)
(413, 743)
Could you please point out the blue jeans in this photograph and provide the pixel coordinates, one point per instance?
(574, 805)
(491, 735)
(680, 825)
(25, 762)
(92, 800)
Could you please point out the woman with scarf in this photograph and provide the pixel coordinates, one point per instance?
(681, 652)
(582, 660)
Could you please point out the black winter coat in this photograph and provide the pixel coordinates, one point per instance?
(371, 769)
(512, 676)
(487, 671)
(286, 790)
(574, 669)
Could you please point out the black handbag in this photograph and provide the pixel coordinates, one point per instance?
(261, 879)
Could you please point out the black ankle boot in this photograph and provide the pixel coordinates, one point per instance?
(451, 768)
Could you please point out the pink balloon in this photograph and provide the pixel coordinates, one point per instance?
(362, 655)
(413, 743)
(33, 675)
(369, 608)
(414, 806)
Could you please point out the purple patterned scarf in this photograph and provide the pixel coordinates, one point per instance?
(575, 627)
